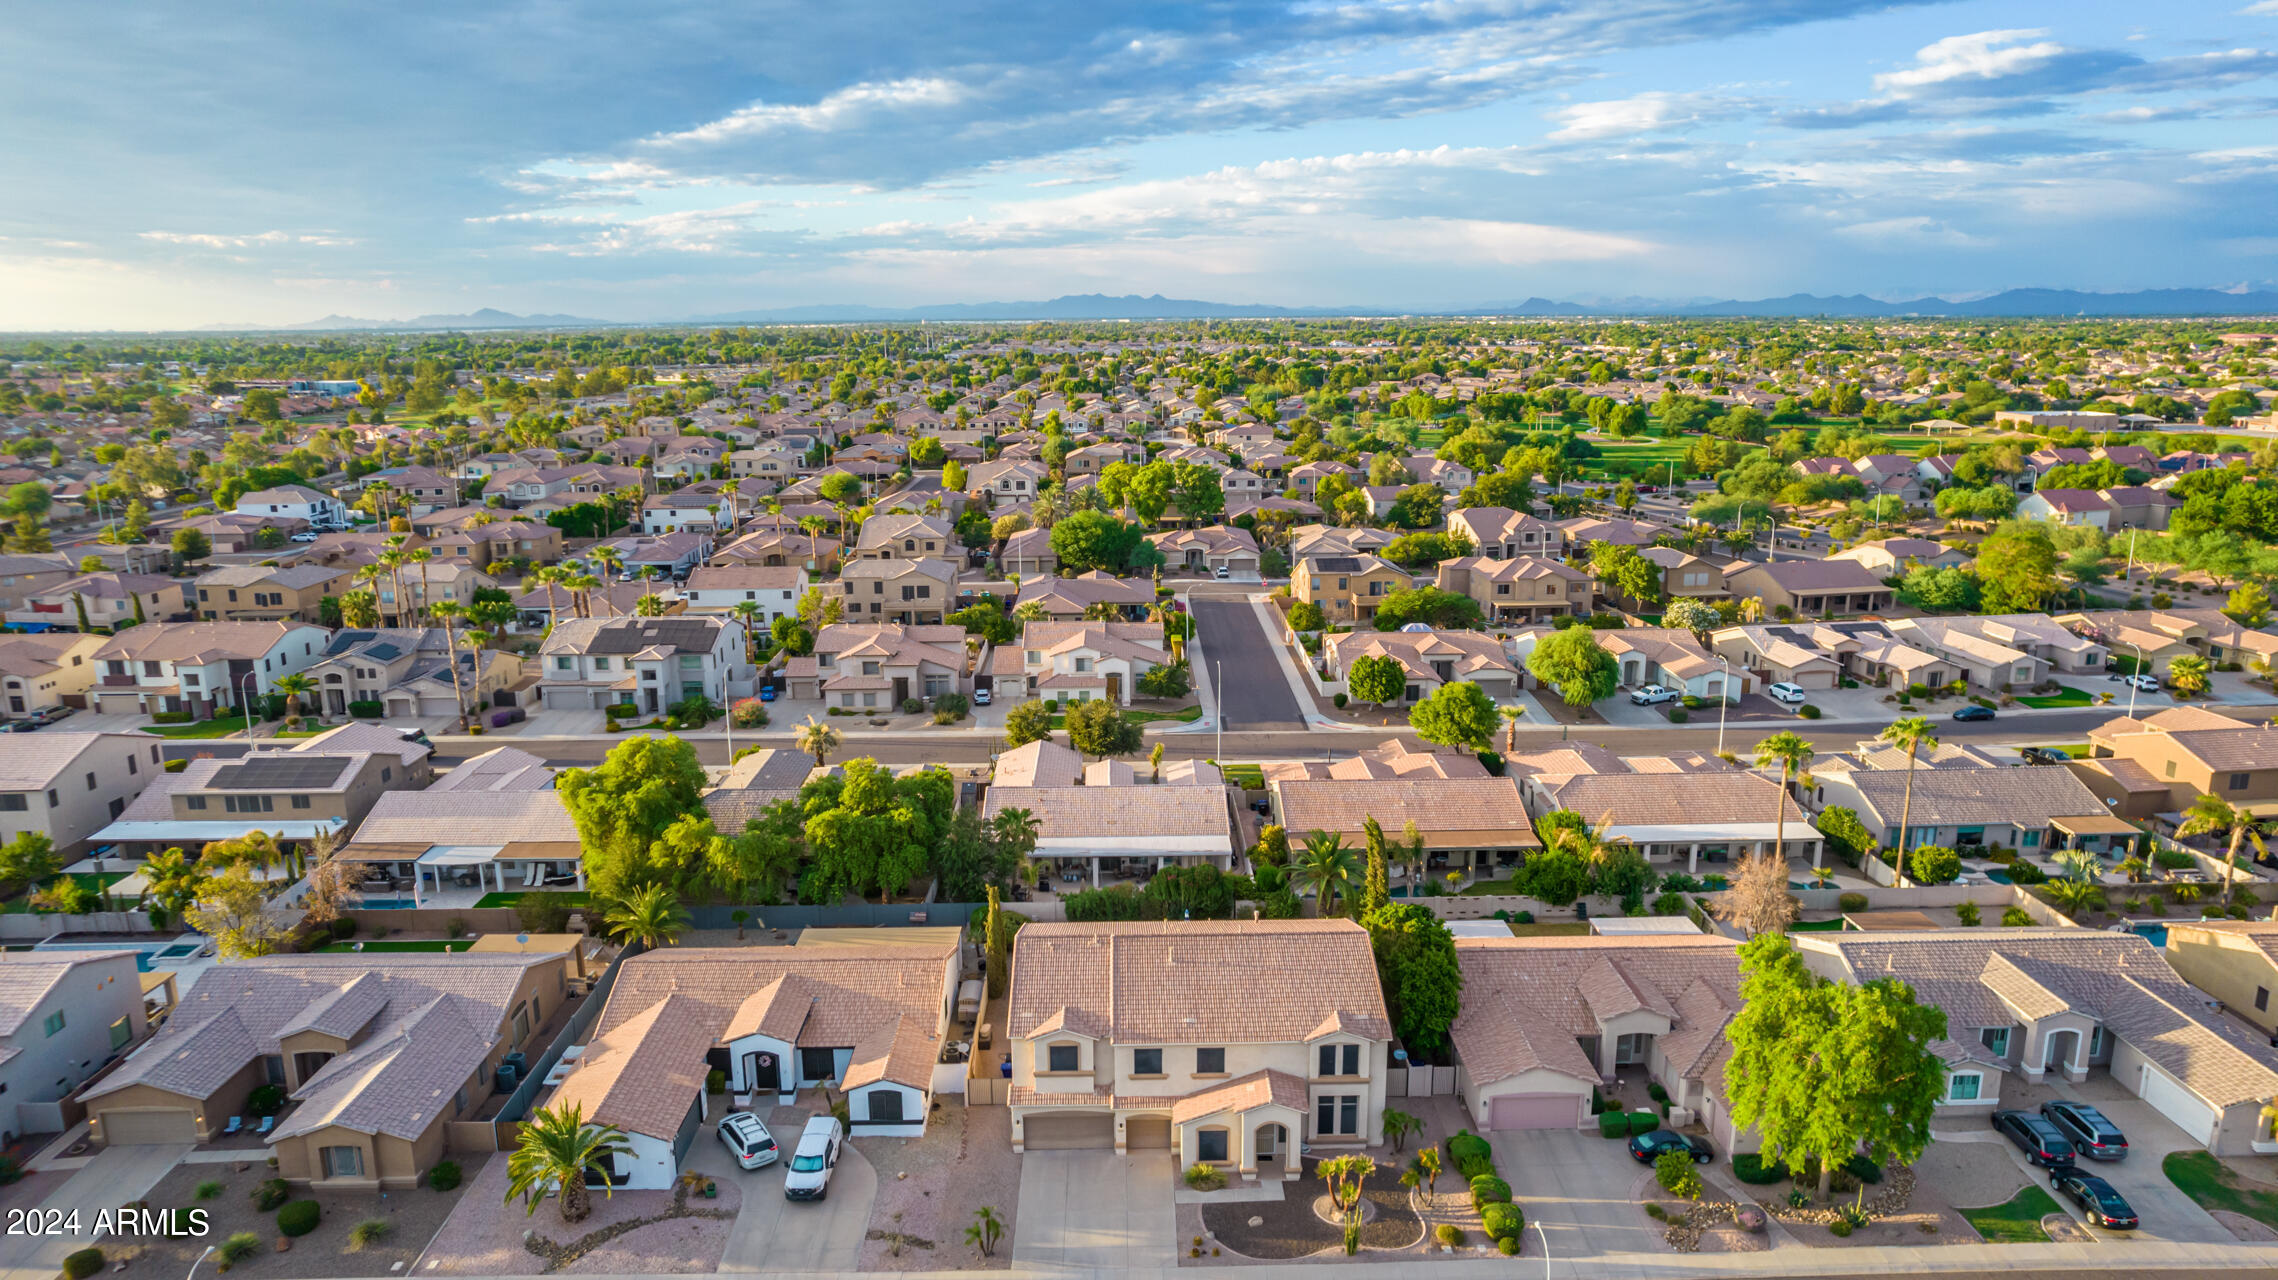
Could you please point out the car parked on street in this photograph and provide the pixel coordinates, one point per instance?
(816, 1157)
(1652, 694)
(1645, 1148)
(1785, 692)
(2148, 684)
(1973, 712)
(2042, 1143)
(2086, 1128)
(2098, 1200)
(747, 1139)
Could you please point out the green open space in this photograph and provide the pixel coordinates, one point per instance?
(2209, 1181)
(2016, 1220)
(567, 897)
(2065, 696)
(219, 727)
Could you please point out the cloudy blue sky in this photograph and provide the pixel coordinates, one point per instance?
(268, 162)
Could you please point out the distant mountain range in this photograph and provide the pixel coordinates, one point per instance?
(1097, 306)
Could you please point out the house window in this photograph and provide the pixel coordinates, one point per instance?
(2262, 999)
(2096, 1042)
(885, 1106)
(54, 1022)
(1336, 1115)
(1996, 1040)
(1146, 1062)
(195, 802)
(1210, 1146)
(1340, 1060)
(1963, 1087)
(13, 802)
(2239, 781)
(1061, 1057)
(300, 802)
(343, 1162)
(121, 1032)
(1210, 1062)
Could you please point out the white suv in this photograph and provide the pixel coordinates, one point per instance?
(1651, 694)
(809, 1177)
(747, 1139)
(1786, 692)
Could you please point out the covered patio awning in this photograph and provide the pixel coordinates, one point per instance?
(459, 855)
(189, 833)
(2095, 824)
(377, 852)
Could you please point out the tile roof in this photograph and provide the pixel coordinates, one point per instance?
(1447, 811)
(466, 817)
(1528, 1001)
(1042, 763)
(1241, 981)
(1965, 797)
(646, 1073)
(401, 1078)
(1720, 796)
(1076, 813)
(1256, 1089)
(29, 762)
(27, 978)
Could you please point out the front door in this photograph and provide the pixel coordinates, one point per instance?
(765, 1071)
(1269, 1141)
(1115, 686)
(901, 690)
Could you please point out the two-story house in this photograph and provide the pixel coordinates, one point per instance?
(315, 787)
(1520, 588)
(198, 667)
(1067, 599)
(405, 671)
(1500, 533)
(266, 593)
(1428, 660)
(919, 591)
(907, 536)
(66, 785)
(1010, 481)
(103, 601)
(651, 663)
(40, 671)
(1232, 1043)
(879, 665)
(294, 502)
(1347, 588)
(726, 588)
(1081, 660)
(1208, 550)
(64, 1015)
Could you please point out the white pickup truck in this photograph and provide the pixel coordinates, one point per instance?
(1652, 694)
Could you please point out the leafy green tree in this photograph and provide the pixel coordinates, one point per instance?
(1687, 614)
(1574, 663)
(1306, 616)
(1556, 875)
(1443, 610)
(1630, 575)
(1951, 590)
(2017, 567)
(2249, 606)
(191, 546)
(1375, 889)
(1089, 540)
(1423, 984)
(869, 830)
(1457, 714)
(1099, 728)
(1845, 833)
(1380, 679)
(1823, 1069)
(1028, 722)
(986, 621)
(30, 859)
(624, 805)
(1934, 864)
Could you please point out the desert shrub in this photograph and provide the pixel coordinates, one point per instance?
(541, 913)
(1339, 699)
(1966, 912)
(1808, 711)
(2023, 872)
(1839, 1227)
(1449, 1234)
(299, 1217)
(2172, 860)
(444, 1176)
(1470, 1154)
(84, 1263)
(1502, 1220)
(267, 1100)
(1656, 1092)
(1757, 1171)
(954, 705)
(1613, 1124)
(1523, 917)
(271, 1194)
(2016, 918)
(237, 1249)
(1205, 1177)
(367, 1233)
(1933, 864)
(1488, 1189)
(1675, 1172)
(208, 1190)
(1508, 1246)
(715, 1081)
(1678, 715)
(1852, 902)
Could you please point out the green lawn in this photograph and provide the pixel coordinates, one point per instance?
(1187, 716)
(567, 897)
(220, 727)
(2211, 1183)
(1250, 777)
(98, 881)
(433, 944)
(1551, 929)
(1817, 926)
(2065, 696)
(2018, 1221)
(2077, 750)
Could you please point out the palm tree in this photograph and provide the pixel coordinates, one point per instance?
(549, 577)
(1511, 717)
(448, 612)
(610, 559)
(817, 739)
(420, 556)
(554, 1150)
(1910, 734)
(748, 612)
(650, 915)
(2213, 813)
(581, 587)
(986, 1229)
(1326, 867)
(294, 686)
(393, 560)
(1794, 756)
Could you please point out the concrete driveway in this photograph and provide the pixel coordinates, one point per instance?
(1577, 1188)
(775, 1234)
(1095, 1210)
(115, 1176)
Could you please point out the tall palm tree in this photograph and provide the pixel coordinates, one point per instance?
(552, 1154)
(2213, 813)
(294, 687)
(549, 577)
(448, 612)
(817, 739)
(1910, 734)
(748, 612)
(610, 559)
(420, 556)
(1511, 717)
(1793, 755)
(650, 915)
(394, 559)
(581, 587)
(1326, 867)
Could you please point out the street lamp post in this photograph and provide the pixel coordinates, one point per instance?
(1723, 701)
(195, 1261)
(2133, 688)
(245, 702)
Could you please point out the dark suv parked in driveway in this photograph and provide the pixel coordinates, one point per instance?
(2041, 1141)
(2086, 1129)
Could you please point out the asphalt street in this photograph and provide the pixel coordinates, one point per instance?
(1253, 695)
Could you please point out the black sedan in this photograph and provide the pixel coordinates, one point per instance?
(1973, 712)
(1645, 1148)
(2103, 1206)
(2086, 1128)
(2041, 1141)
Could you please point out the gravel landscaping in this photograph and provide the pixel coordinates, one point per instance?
(964, 1162)
(1289, 1228)
(484, 1237)
(413, 1215)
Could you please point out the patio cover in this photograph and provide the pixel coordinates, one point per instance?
(381, 852)
(177, 832)
(2095, 824)
(459, 855)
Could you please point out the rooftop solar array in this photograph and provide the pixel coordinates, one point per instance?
(285, 772)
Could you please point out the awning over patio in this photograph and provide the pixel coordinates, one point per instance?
(459, 855)
(192, 833)
(378, 852)
(2095, 824)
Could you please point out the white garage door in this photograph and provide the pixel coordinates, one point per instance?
(1068, 1130)
(1534, 1111)
(146, 1128)
(2177, 1103)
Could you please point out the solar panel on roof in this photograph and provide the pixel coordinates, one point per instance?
(283, 772)
(384, 652)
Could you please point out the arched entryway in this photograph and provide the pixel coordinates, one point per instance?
(2059, 1050)
(1271, 1142)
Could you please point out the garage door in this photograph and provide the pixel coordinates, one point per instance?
(145, 1128)
(1065, 1130)
(1147, 1132)
(1534, 1111)
(2178, 1104)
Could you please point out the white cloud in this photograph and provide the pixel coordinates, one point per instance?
(210, 240)
(1909, 232)
(1626, 117)
(855, 107)
(2262, 9)
(1978, 57)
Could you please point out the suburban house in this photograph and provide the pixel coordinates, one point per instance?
(67, 786)
(1348, 588)
(2188, 752)
(2157, 637)
(1010, 481)
(1520, 589)
(269, 593)
(1811, 587)
(429, 584)
(2034, 811)
(406, 671)
(1429, 659)
(2036, 1003)
(379, 1053)
(294, 502)
(773, 545)
(1069, 599)
(866, 1015)
(906, 591)
(106, 600)
(1207, 550)
(1893, 557)
(1685, 576)
(1475, 825)
(1499, 533)
(907, 537)
(40, 671)
(1309, 541)
(651, 663)
(64, 1015)
(485, 543)
(1546, 1021)
(493, 824)
(1131, 1036)
(2235, 961)
(2107, 509)
(1118, 825)
(726, 588)
(1693, 808)
(199, 668)
(1668, 657)
(1081, 660)
(320, 786)
(880, 665)
(1029, 554)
